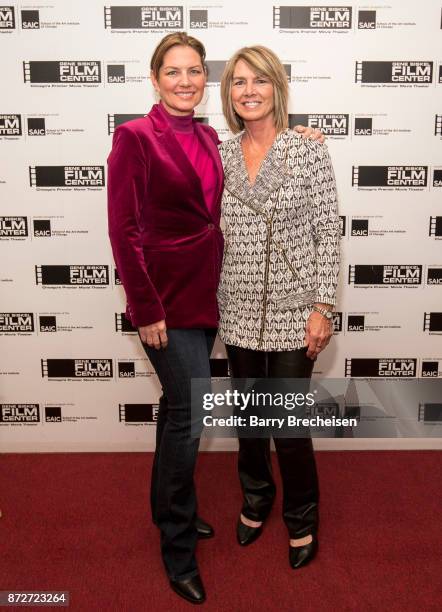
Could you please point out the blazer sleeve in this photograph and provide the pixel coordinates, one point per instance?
(325, 224)
(127, 193)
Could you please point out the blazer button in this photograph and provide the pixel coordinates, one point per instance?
(211, 226)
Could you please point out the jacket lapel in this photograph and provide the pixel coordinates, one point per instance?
(273, 173)
(212, 148)
(168, 142)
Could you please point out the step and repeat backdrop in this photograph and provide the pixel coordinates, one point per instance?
(72, 373)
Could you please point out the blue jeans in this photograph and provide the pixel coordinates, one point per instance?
(173, 497)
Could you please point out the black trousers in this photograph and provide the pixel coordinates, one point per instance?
(173, 496)
(295, 455)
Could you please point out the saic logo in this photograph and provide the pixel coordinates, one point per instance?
(36, 126)
(435, 227)
(53, 414)
(72, 275)
(385, 274)
(366, 20)
(359, 227)
(437, 177)
(138, 413)
(66, 176)
(356, 323)
(19, 413)
(76, 368)
(10, 125)
(434, 275)
(48, 323)
(116, 73)
(62, 71)
(144, 17)
(312, 17)
(385, 367)
(331, 124)
(30, 20)
(42, 228)
(13, 227)
(393, 72)
(126, 369)
(390, 176)
(7, 18)
(16, 322)
(113, 121)
(433, 322)
(122, 324)
(431, 368)
(363, 126)
(199, 19)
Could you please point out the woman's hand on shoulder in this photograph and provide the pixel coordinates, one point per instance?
(310, 133)
(154, 335)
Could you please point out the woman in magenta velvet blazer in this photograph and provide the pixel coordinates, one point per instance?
(165, 183)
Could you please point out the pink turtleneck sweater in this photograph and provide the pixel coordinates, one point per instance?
(201, 160)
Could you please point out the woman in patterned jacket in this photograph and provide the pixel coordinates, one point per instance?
(279, 277)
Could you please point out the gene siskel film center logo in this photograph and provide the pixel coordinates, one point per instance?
(11, 126)
(79, 276)
(16, 323)
(144, 18)
(390, 177)
(7, 19)
(14, 228)
(138, 414)
(433, 323)
(116, 119)
(385, 367)
(71, 73)
(335, 125)
(19, 414)
(435, 229)
(430, 412)
(394, 73)
(321, 19)
(77, 369)
(67, 177)
(387, 275)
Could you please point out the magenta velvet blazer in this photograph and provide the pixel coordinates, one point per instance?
(167, 246)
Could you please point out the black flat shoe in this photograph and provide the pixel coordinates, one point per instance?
(205, 531)
(191, 589)
(301, 555)
(245, 534)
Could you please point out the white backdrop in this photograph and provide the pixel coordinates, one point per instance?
(71, 377)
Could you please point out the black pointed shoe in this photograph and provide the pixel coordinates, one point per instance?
(301, 555)
(245, 534)
(205, 531)
(191, 589)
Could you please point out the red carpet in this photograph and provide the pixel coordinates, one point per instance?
(80, 522)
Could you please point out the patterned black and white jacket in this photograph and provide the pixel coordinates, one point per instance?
(281, 243)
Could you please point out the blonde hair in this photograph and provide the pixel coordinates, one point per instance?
(172, 40)
(265, 63)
